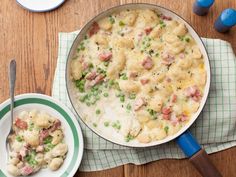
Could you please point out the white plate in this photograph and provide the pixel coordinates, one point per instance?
(72, 131)
(40, 5)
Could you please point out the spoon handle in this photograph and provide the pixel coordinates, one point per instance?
(12, 79)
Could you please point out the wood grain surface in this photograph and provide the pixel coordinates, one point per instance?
(32, 39)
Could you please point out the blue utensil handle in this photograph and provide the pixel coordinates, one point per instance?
(198, 156)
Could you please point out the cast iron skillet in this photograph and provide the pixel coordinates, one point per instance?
(185, 140)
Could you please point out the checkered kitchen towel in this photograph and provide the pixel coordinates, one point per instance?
(215, 129)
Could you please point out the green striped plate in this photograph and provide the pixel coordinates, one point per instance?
(71, 128)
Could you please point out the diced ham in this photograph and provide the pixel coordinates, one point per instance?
(94, 29)
(167, 59)
(21, 124)
(85, 65)
(26, 170)
(193, 92)
(147, 63)
(140, 35)
(42, 135)
(148, 30)
(55, 125)
(168, 79)
(183, 118)
(139, 103)
(166, 116)
(166, 113)
(23, 152)
(164, 17)
(166, 110)
(182, 55)
(99, 78)
(144, 81)
(174, 122)
(40, 148)
(174, 98)
(91, 76)
(105, 56)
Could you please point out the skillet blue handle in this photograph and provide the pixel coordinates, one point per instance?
(188, 144)
(197, 156)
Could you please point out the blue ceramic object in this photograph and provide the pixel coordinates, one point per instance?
(226, 20)
(201, 7)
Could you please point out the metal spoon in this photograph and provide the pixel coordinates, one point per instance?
(12, 79)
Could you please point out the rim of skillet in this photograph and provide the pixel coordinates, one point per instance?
(198, 40)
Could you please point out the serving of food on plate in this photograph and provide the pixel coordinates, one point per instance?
(37, 142)
(138, 75)
(46, 138)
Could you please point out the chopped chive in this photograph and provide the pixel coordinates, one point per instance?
(106, 63)
(95, 125)
(187, 39)
(124, 76)
(121, 23)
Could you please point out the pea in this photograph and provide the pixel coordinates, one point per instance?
(106, 124)
(132, 96)
(105, 94)
(128, 107)
(98, 111)
(122, 99)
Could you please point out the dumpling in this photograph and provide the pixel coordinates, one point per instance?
(76, 69)
(156, 103)
(59, 150)
(129, 86)
(43, 120)
(31, 137)
(123, 42)
(55, 163)
(130, 17)
(180, 30)
(117, 65)
(57, 137)
(105, 24)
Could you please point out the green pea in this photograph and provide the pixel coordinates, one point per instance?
(98, 111)
(122, 99)
(132, 96)
(106, 124)
(105, 94)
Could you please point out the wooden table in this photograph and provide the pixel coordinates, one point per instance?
(32, 38)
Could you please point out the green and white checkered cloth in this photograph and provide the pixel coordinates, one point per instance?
(215, 129)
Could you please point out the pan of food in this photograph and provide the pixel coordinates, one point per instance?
(138, 75)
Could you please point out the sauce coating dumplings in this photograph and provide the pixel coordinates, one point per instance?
(37, 142)
(137, 75)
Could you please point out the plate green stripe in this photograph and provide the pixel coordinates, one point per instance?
(63, 113)
(2, 174)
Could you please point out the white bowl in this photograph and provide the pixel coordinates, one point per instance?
(39, 5)
(72, 131)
